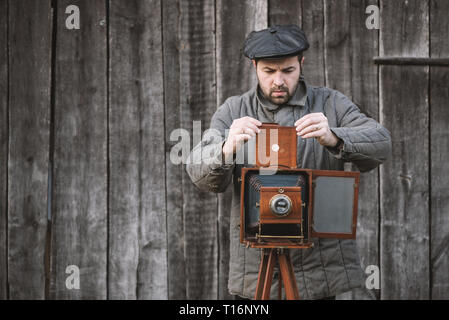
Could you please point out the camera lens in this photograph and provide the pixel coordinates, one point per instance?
(281, 205)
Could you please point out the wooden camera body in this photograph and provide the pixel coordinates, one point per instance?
(283, 206)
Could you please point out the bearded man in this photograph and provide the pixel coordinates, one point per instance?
(331, 130)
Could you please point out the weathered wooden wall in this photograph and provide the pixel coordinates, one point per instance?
(404, 180)
(29, 102)
(438, 151)
(3, 147)
(86, 118)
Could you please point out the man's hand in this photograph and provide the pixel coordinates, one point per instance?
(241, 131)
(315, 125)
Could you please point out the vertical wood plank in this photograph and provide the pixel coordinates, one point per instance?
(189, 76)
(364, 83)
(337, 45)
(285, 12)
(439, 137)
(404, 178)
(198, 103)
(313, 26)
(3, 146)
(349, 51)
(338, 57)
(137, 228)
(235, 20)
(365, 93)
(177, 276)
(79, 213)
(30, 25)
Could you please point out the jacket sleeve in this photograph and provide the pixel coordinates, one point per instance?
(205, 165)
(367, 143)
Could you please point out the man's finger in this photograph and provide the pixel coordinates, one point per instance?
(254, 121)
(306, 117)
(239, 140)
(318, 115)
(251, 132)
(246, 122)
(308, 122)
(309, 129)
(252, 127)
(242, 137)
(314, 134)
(248, 128)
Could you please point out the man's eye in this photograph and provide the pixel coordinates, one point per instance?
(269, 71)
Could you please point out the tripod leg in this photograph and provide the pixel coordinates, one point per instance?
(280, 285)
(269, 277)
(262, 275)
(288, 275)
(265, 275)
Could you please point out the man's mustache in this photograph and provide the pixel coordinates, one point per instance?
(281, 89)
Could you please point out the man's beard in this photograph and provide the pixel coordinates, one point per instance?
(278, 100)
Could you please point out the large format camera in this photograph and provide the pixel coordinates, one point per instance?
(283, 206)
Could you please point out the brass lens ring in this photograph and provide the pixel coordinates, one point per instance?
(281, 205)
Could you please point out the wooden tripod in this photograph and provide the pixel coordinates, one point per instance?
(286, 275)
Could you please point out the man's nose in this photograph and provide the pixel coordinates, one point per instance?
(278, 79)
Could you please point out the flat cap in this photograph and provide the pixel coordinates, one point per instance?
(275, 42)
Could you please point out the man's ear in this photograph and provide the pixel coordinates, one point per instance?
(301, 66)
(254, 63)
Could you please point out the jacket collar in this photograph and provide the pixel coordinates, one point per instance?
(299, 97)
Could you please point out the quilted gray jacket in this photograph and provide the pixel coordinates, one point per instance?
(332, 266)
